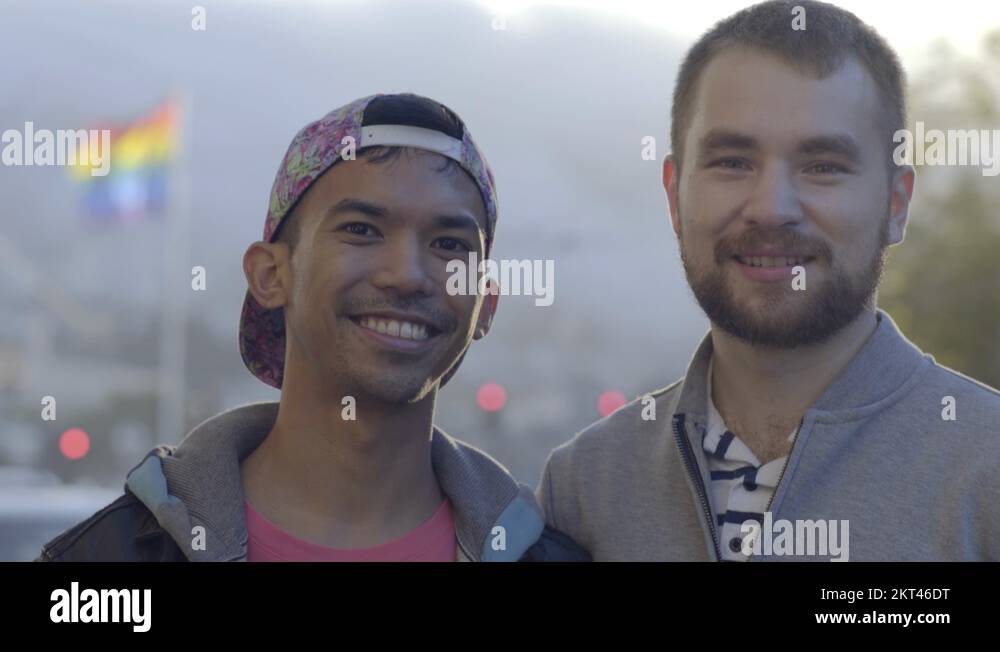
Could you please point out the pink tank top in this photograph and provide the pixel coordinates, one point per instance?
(434, 540)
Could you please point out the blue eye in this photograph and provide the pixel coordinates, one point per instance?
(827, 168)
(729, 164)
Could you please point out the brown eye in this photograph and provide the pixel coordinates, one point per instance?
(359, 229)
(453, 244)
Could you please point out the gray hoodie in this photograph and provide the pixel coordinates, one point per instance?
(878, 450)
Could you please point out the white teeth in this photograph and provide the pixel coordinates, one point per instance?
(401, 329)
(771, 261)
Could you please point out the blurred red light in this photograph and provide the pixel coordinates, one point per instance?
(491, 397)
(74, 443)
(610, 401)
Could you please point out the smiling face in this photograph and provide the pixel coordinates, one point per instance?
(365, 301)
(781, 169)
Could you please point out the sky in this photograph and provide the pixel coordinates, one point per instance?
(909, 26)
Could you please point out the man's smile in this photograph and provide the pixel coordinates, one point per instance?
(770, 268)
(397, 331)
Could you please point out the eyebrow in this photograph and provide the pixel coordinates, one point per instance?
(726, 139)
(350, 205)
(459, 221)
(838, 144)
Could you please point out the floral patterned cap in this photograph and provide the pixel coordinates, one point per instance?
(313, 151)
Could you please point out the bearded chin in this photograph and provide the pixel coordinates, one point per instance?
(786, 318)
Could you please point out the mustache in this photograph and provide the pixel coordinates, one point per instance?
(440, 319)
(782, 238)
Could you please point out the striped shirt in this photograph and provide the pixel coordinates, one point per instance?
(741, 487)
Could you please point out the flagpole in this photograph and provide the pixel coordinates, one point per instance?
(171, 406)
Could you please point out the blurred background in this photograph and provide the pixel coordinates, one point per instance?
(98, 310)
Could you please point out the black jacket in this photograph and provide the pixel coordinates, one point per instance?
(126, 530)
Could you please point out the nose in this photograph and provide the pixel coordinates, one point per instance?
(402, 267)
(774, 200)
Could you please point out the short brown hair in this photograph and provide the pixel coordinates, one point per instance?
(831, 36)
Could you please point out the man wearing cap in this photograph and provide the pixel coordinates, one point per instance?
(347, 314)
(807, 426)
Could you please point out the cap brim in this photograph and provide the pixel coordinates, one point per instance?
(262, 341)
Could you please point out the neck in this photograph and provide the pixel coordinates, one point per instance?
(343, 483)
(765, 392)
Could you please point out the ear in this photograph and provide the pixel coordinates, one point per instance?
(671, 177)
(900, 193)
(266, 267)
(488, 309)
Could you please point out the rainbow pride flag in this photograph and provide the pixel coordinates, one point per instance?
(135, 187)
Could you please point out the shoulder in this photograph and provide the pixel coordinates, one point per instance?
(108, 535)
(946, 401)
(605, 462)
(629, 432)
(965, 413)
(980, 396)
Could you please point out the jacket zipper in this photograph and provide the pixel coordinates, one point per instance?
(781, 475)
(785, 465)
(692, 466)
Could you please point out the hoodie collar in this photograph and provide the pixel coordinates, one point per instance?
(886, 362)
(195, 490)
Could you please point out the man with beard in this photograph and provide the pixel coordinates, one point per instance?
(804, 403)
(347, 313)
